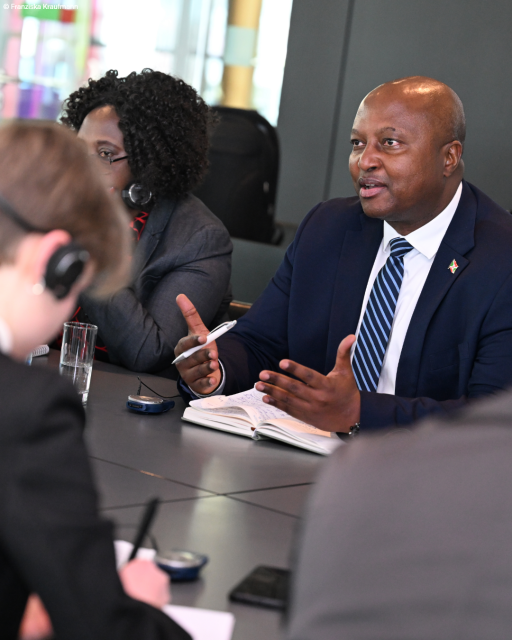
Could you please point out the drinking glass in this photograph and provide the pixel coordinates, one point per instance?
(77, 355)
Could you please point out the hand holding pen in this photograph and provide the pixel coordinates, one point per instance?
(201, 370)
(142, 579)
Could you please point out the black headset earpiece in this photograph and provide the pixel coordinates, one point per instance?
(136, 196)
(64, 268)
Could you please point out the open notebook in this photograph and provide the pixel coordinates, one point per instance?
(245, 414)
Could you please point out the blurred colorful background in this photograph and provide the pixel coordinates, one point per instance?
(233, 53)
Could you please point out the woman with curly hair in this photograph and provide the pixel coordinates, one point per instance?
(149, 132)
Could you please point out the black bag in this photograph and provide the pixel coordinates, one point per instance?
(240, 187)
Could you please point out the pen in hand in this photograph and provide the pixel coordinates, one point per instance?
(211, 337)
(145, 523)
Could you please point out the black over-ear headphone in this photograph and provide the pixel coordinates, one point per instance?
(65, 264)
(136, 196)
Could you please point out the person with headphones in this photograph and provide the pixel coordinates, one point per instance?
(59, 233)
(149, 134)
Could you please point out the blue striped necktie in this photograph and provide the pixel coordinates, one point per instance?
(376, 326)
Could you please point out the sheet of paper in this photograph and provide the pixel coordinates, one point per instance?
(203, 624)
(123, 550)
(249, 401)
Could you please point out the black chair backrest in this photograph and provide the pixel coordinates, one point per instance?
(240, 187)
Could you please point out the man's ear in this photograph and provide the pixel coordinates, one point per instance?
(36, 250)
(452, 157)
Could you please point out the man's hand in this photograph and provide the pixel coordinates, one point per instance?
(330, 402)
(201, 371)
(143, 580)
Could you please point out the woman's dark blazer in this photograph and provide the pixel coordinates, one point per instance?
(52, 541)
(184, 248)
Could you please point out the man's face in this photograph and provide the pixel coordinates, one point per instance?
(104, 140)
(396, 161)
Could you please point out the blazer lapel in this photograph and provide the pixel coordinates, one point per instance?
(156, 223)
(354, 268)
(458, 241)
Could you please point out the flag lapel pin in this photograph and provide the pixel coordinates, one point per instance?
(453, 266)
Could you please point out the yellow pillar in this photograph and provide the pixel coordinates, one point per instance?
(241, 38)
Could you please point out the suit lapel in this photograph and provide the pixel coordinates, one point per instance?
(354, 268)
(156, 223)
(458, 241)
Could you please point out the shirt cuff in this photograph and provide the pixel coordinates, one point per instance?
(218, 391)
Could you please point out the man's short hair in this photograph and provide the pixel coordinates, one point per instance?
(48, 177)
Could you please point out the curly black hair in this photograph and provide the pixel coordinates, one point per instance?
(164, 122)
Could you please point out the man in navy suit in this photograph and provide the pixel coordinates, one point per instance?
(388, 306)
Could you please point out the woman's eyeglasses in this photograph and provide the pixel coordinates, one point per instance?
(108, 159)
(111, 160)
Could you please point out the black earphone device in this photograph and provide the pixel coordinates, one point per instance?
(136, 196)
(64, 266)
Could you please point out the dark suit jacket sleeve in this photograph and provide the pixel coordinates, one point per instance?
(491, 372)
(52, 534)
(260, 339)
(142, 335)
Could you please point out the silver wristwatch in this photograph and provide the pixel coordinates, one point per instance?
(354, 430)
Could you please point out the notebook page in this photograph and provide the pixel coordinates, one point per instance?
(230, 424)
(299, 427)
(299, 434)
(233, 413)
(247, 402)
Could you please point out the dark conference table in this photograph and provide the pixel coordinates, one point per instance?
(235, 500)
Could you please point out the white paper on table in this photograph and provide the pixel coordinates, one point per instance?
(203, 624)
(123, 550)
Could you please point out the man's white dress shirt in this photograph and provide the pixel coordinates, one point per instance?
(425, 242)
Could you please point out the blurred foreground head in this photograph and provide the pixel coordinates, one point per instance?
(47, 176)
